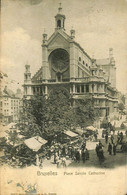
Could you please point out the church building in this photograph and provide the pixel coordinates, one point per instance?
(66, 64)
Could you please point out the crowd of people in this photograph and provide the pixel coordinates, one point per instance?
(60, 154)
(77, 152)
(111, 144)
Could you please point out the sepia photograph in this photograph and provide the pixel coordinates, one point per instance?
(63, 97)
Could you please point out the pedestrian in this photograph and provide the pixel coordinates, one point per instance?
(83, 146)
(112, 139)
(87, 154)
(63, 150)
(118, 138)
(59, 162)
(100, 144)
(55, 156)
(57, 159)
(41, 163)
(97, 149)
(95, 136)
(77, 156)
(64, 161)
(110, 149)
(114, 149)
(83, 156)
(101, 155)
(106, 138)
(121, 137)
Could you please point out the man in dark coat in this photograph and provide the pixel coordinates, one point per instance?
(121, 137)
(114, 149)
(87, 154)
(97, 149)
(106, 138)
(100, 144)
(83, 156)
(110, 149)
(77, 156)
(101, 154)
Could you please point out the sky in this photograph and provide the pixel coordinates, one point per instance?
(99, 25)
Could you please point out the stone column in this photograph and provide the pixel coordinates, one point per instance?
(73, 88)
(84, 88)
(29, 90)
(72, 61)
(45, 65)
(80, 89)
(90, 88)
(95, 88)
(46, 90)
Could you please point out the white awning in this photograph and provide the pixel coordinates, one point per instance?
(79, 131)
(70, 133)
(91, 128)
(11, 125)
(35, 143)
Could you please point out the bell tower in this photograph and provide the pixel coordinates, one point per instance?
(60, 19)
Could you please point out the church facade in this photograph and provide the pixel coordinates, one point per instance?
(66, 64)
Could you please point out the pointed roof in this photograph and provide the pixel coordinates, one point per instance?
(62, 33)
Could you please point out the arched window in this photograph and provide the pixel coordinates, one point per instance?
(83, 62)
(79, 58)
(59, 23)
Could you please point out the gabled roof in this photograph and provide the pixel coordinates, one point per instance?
(105, 61)
(62, 33)
(68, 38)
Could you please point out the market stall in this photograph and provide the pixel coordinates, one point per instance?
(35, 143)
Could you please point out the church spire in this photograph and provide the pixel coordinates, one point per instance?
(60, 8)
(60, 19)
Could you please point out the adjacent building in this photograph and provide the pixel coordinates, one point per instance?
(10, 105)
(66, 64)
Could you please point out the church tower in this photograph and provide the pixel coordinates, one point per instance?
(60, 19)
(27, 81)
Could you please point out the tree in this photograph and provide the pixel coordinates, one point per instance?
(49, 116)
(52, 116)
(85, 113)
(33, 116)
(60, 110)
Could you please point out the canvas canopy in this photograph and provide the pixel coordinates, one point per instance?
(91, 128)
(79, 131)
(11, 125)
(35, 143)
(71, 134)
